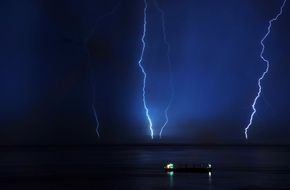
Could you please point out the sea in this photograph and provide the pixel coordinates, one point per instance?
(136, 167)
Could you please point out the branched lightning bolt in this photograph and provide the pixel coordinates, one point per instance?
(169, 67)
(89, 36)
(267, 67)
(144, 72)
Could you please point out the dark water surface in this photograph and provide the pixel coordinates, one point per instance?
(141, 167)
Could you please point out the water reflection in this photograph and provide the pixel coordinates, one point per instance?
(170, 175)
(209, 177)
(142, 167)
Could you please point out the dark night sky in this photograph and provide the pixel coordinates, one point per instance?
(47, 71)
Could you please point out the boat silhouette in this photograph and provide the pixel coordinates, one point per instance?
(198, 168)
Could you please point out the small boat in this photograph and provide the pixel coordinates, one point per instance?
(198, 168)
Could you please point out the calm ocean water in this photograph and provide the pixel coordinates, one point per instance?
(141, 167)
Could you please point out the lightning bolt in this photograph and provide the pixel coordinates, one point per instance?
(97, 121)
(143, 70)
(86, 42)
(267, 67)
(111, 12)
(169, 67)
(95, 113)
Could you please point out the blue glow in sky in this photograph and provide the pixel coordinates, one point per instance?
(215, 54)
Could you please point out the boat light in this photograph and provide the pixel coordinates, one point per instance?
(170, 166)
